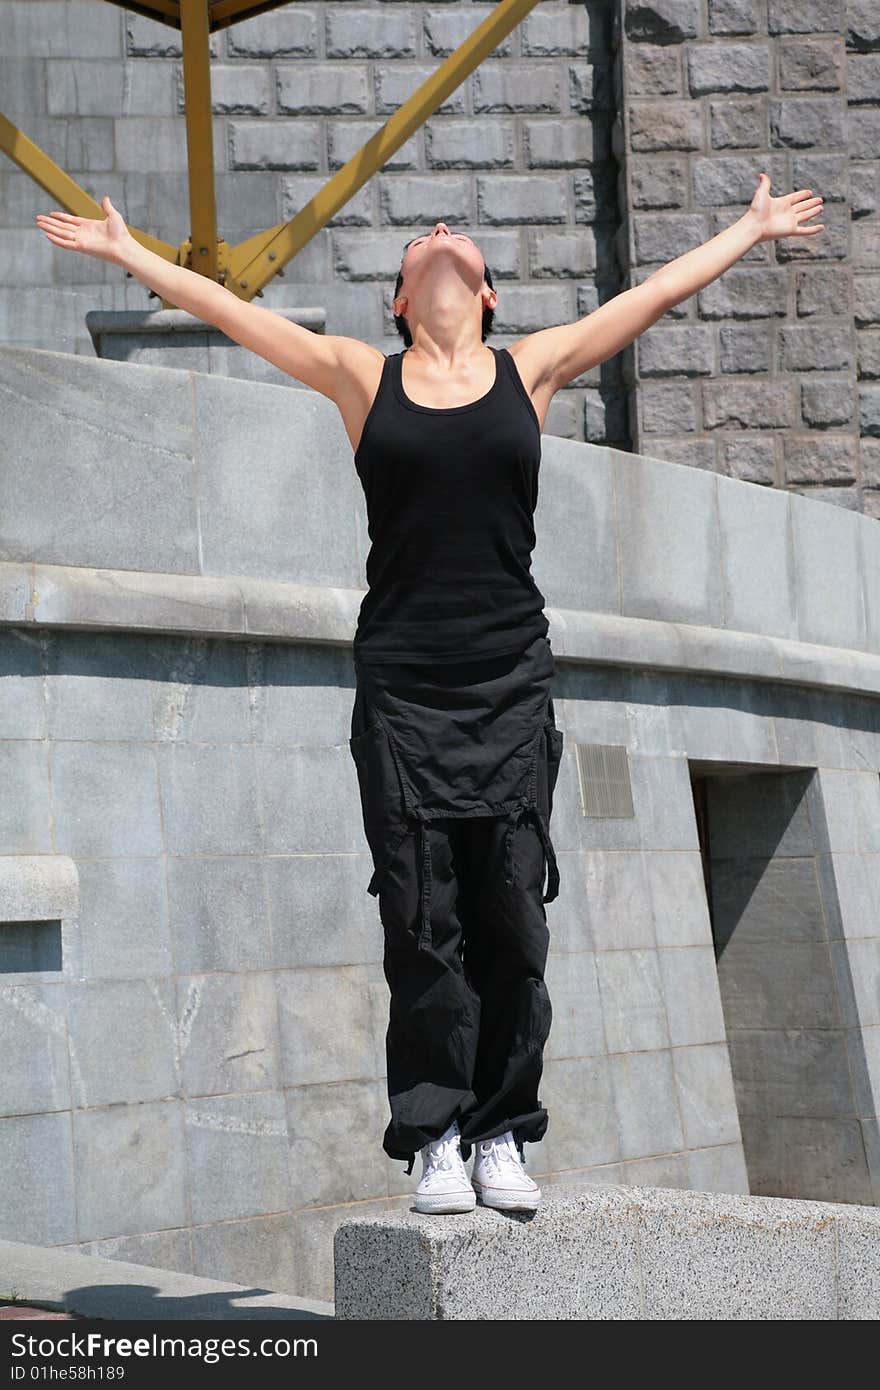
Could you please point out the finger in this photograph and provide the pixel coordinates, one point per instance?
(49, 224)
(62, 233)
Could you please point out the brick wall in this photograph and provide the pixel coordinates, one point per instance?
(769, 373)
(598, 141)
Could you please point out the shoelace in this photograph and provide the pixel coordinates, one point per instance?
(500, 1151)
(440, 1157)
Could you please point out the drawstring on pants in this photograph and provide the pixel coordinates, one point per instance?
(510, 861)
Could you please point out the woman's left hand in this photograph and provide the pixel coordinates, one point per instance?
(785, 216)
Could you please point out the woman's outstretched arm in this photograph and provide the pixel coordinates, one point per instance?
(558, 355)
(319, 360)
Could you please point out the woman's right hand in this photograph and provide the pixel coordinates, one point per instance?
(103, 239)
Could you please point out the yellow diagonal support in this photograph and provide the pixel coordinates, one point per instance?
(65, 191)
(254, 262)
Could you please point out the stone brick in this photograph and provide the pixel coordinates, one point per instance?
(825, 174)
(866, 300)
(235, 89)
(663, 236)
(550, 144)
(871, 465)
(396, 83)
(558, 31)
(868, 349)
(864, 188)
(446, 30)
(728, 67)
(750, 457)
(516, 87)
(275, 144)
(422, 200)
(157, 143)
(754, 404)
(828, 403)
(865, 242)
(367, 256)
(291, 32)
(733, 180)
(332, 89)
(658, 182)
(517, 198)
(561, 254)
(676, 350)
(738, 124)
(345, 138)
(654, 70)
(819, 17)
(297, 190)
(667, 408)
(822, 290)
(527, 308)
(470, 144)
(869, 409)
(756, 292)
(692, 452)
(744, 347)
(665, 21)
(147, 38)
(731, 17)
(813, 65)
(803, 122)
(861, 22)
(665, 125)
(813, 346)
(356, 31)
(817, 458)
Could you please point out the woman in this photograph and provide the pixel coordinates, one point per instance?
(453, 732)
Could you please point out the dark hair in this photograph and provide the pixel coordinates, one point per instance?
(402, 326)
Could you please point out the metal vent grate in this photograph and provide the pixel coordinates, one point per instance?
(603, 773)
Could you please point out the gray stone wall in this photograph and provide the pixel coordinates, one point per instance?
(770, 372)
(192, 1004)
(520, 155)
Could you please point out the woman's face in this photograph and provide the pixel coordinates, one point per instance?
(437, 250)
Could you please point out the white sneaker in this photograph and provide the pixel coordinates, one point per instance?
(499, 1177)
(444, 1184)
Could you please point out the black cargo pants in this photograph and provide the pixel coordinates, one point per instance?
(461, 900)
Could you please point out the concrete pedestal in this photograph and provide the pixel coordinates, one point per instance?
(615, 1252)
(174, 338)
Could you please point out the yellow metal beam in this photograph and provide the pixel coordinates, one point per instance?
(248, 267)
(253, 262)
(199, 138)
(64, 190)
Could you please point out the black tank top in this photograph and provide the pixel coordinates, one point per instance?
(451, 493)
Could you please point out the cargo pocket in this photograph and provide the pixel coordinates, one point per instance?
(382, 799)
